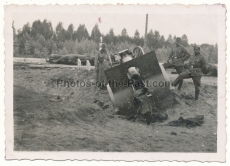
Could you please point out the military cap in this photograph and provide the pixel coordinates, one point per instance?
(178, 38)
(102, 44)
(196, 46)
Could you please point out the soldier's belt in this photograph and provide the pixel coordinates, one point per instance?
(195, 70)
(175, 57)
(100, 61)
(195, 67)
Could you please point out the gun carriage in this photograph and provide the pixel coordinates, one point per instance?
(139, 85)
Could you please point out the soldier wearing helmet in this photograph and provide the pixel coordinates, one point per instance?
(196, 67)
(178, 55)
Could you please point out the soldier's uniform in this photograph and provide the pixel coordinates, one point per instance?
(179, 54)
(196, 67)
(102, 63)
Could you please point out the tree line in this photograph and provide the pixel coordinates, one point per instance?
(40, 40)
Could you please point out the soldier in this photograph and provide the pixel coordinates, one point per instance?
(178, 54)
(196, 67)
(102, 63)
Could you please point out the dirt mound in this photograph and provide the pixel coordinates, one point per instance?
(87, 113)
(92, 113)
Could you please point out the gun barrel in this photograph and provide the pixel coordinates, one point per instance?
(134, 73)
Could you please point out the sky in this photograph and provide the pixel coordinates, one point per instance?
(199, 28)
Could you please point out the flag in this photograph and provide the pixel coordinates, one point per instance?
(99, 19)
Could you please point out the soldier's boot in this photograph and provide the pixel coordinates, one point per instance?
(197, 92)
(174, 84)
(148, 117)
(177, 81)
(180, 84)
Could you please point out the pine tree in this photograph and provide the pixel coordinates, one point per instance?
(27, 48)
(60, 33)
(16, 47)
(96, 34)
(81, 33)
(16, 44)
(70, 31)
(169, 41)
(137, 40)
(124, 32)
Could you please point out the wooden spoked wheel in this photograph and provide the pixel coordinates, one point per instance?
(138, 51)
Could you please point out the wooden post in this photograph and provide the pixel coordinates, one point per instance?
(79, 63)
(88, 65)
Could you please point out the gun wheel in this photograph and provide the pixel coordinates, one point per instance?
(138, 51)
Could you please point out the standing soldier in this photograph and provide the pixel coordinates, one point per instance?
(197, 66)
(178, 54)
(102, 63)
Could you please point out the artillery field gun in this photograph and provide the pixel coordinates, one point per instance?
(139, 85)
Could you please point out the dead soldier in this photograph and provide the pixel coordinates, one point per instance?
(196, 67)
(102, 63)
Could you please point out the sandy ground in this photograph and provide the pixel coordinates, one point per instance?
(78, 124)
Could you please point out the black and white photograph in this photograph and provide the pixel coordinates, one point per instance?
(116, 79)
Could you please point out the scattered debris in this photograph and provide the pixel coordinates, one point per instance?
(189, 122)
(105, 106)
(100, 103)
(56, 99)
(173, 133)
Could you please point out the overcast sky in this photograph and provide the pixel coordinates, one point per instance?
(199, 28)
